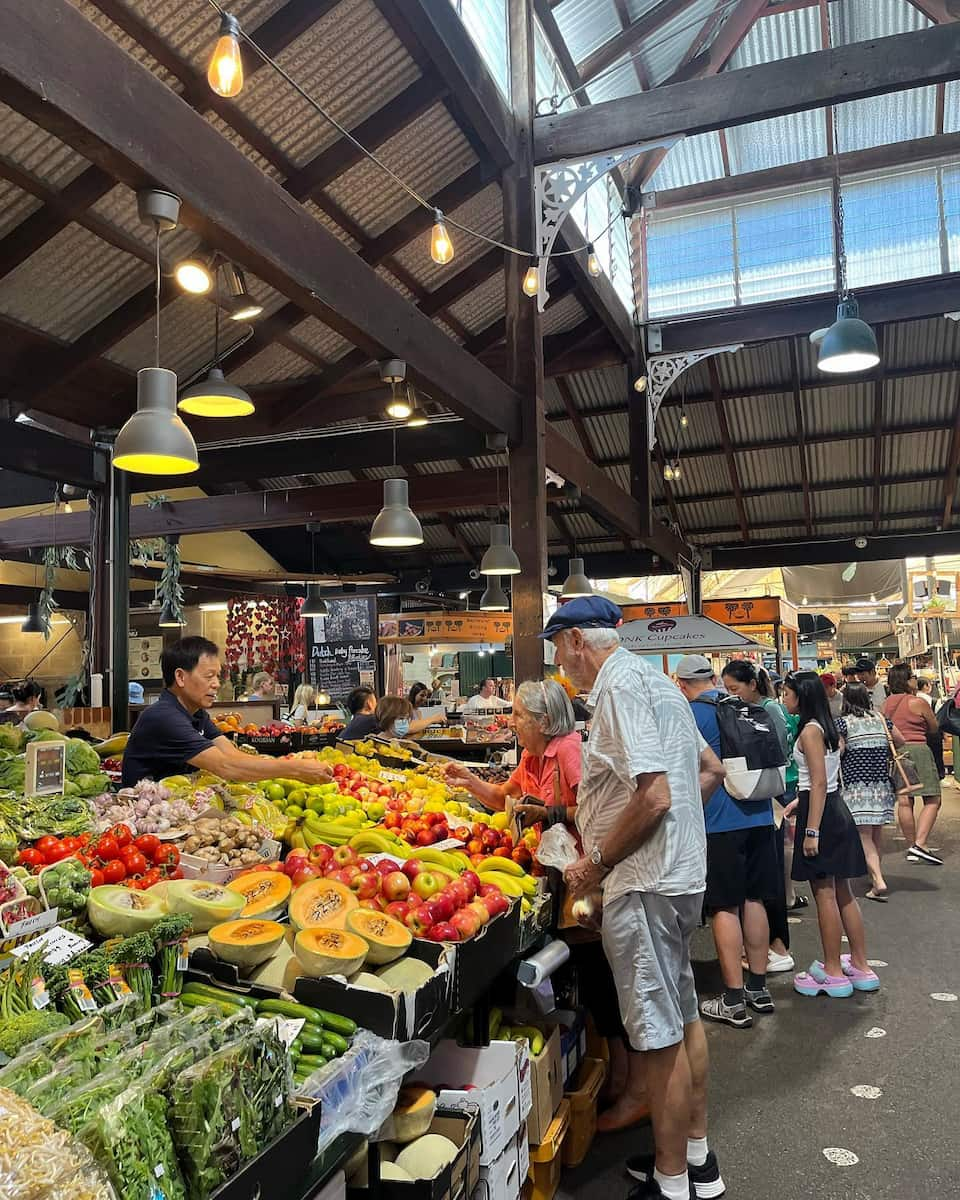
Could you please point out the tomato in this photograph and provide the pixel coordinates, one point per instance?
(107, 848)
(133, 860)
(43, 843)
(122, 834)
(167, 856)
(114, 871)
(151, 877)
(55, 852)
(177, 874)
(84, 838)
(30, 858)
(71, 844)
(147, 844)
(96, 878)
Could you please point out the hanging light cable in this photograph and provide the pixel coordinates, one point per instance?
(314, 605)
(154, 441)
(849, 345)
(214, 396)
(499, 558)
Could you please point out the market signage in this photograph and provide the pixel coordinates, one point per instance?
(671, 635)
(413, 628)
(762, 610)
(45, 768)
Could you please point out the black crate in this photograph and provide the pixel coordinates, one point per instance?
(278, 1170)
(264, 743)
(482, 958)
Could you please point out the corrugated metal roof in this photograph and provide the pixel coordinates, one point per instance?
(70, 283)
(664, 51)
(609, 435)
(37, 151)
(186, 338)
(783, 505)
(837, 409)
(763, 418)
(15, 206)
(766, 468)
(131, 45)
(483, 306)
(899, 498)
(843, 502)
(348, 91)
(271, 364)
(921, 343)
(329, 223)
(920, 398)
(565, 314)
(905, 452)
(321, 339)
(598, 389)
(427, 154)
(762, 364)
(586, 24)
(715, 514)
(484, 213)
(828, 462)
(192, 29)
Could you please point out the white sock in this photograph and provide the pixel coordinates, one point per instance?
(673, 1187)
(697, 1151)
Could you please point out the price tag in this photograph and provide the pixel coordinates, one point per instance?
(277, 1100)
(159, 1171)
(235, 1124)
(118, 983)
(45, 768)
(59, 946)
(77, 985)
(39, 995)
(183, 957)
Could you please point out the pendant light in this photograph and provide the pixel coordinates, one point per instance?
(494, 599)
(531, 281)
(396, 524)
(33, 623)
(214, 396)
(194, 276)
(314, 605)
(154, 441)
(399, 407)
(169, 619)
(499, 558)
(242, 305)
(418, 418)
(849, 345)
(225, 71)
(576, 583)
(441, 247)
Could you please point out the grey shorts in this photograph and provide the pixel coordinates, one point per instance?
(646, 938)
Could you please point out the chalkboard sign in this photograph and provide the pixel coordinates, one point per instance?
(342, 646)
(45, 768)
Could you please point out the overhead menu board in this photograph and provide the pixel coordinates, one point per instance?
(342, 646)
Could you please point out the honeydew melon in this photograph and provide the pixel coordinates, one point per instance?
(116, 911)
(406, 975)
(413, 1113)
(427, 1156)
(394, 1174)
(208, 904)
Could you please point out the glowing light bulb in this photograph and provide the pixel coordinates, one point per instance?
(193, 275)
(676, 470)
(640, 383)
(441, 248)
(668, 472)
(593, 263)
(399, 408)
(804, 601)
(531, 281)
(684, 420)
(67, 507)
(225, 72)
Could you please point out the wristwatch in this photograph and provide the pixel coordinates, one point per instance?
(596, 857)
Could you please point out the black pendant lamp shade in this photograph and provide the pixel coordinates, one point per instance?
(314, 605)
(494, 599)
(34, 623)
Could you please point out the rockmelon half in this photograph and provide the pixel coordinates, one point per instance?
(245, 943)
(324, 951)
(265, 893)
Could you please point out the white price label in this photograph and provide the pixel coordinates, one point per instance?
(235, 1124)
(183, 958)
(159, 1171)
(277, 1100)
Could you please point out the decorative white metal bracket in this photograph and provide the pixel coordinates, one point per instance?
(664, 369)
(559, 185)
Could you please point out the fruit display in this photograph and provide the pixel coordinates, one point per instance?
(245, 943)
(234, 723)
(393, 749)
(265, 893)
(152, 807)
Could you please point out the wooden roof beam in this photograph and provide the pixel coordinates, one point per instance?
(953, 467)
(622, 43)
(801, 437)
(53, 68)
(728, 449)
(835, 76)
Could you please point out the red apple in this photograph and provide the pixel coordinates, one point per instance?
(465, 922)
(366, 884)
(426, 884)
(294, 861)
(345, 856)
(425, 838)
(495, 904)
(471, 881)
(443, 932)
(475, 849)
(398, 909)
(346, 875)
(413, 900)
(396, 886)
(412, 868)
(374, 905)
(443, 906)
(490, 839)
(320, 855)
(303, 874)
(478, 907)
(386, 866)
(364, 864)
(489, 889)
(419, 920)
(441, 832)
(458, 892)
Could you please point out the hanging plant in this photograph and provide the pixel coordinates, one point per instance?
(169, 591)
(147, 549)
(47, 603)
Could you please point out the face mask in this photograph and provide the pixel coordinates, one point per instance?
(401, 728)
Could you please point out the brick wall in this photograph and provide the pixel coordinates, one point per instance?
(51, 662)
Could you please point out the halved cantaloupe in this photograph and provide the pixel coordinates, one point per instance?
(207, 903)
(320, 902)
(324, 951)
(245, 943)
(412, 1114)
(427, 1156)
(265, 893)
(386, 937)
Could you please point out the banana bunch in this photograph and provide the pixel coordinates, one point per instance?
(509, 876)
(315, 829)
(523, 1033)
(379, 841)
(451, 861)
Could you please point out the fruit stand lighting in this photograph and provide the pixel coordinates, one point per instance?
(576, 583)
(494, 599)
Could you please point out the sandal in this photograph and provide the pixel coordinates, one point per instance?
(880, 897)
(799, 902)
(815, 980)
(863, 981)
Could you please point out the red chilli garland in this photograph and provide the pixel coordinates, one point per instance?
(267, 635)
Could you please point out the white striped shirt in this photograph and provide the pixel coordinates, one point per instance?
(643, 725)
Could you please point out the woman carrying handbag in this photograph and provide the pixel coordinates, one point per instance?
(914, 718)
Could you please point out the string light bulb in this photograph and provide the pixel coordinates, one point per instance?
(593, 263)
(668, 472)
(225, 72)
(418, 418)
(640, 383)
(531, 281)
(676, 470)
(684, 419)
(441, 247)
(67, 506)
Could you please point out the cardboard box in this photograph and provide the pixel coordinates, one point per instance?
(456, 1181)
(401, 1015)
(523, 1155)
(488, 1079)
(546, 1078)
(501, 1179)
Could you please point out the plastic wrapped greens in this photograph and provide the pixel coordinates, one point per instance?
(153, 1018)
(122, 1012)
(76, 1109)
(131, 1139)
(50, 1089)
(29, 1066)
(78, 1041)
(38, 1161)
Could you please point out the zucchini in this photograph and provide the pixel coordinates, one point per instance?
(224, 994)
(287, 1008)
(333, 1021)
(341, 1043)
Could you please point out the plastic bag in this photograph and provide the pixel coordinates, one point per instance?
(50, 1089)
(557, 848)
(358, 1092)
(130, 1137)
(74, 1111)
(40, 1162)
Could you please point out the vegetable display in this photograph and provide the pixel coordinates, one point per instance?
(227, 843)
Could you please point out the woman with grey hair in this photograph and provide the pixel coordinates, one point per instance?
(549, 768)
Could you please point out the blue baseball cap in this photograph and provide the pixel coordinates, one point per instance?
(587, 612)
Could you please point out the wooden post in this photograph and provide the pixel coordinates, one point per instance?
(98, 629)
(119, 493)
(638, 409)
(527, 471)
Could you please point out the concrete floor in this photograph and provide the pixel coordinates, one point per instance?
(780, 1092)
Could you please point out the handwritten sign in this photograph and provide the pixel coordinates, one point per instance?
(45, 768)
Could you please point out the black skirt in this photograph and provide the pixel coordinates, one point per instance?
(841, 852)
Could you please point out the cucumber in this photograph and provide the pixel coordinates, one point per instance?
(333, 1021)
(310, 1040)
(313, 1061)
(224, 994)
(287, 1008)
(330, 1050)
(341, 1043)
(227, 1008)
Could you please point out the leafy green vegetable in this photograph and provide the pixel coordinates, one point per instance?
(46, 1093)
(82, 758)
(168, 934)
(13, 773)
(133, 955)
(20, 1030)
(137, 1151)
(11, 738)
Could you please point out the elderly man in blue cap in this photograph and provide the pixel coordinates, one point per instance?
(640, 817)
